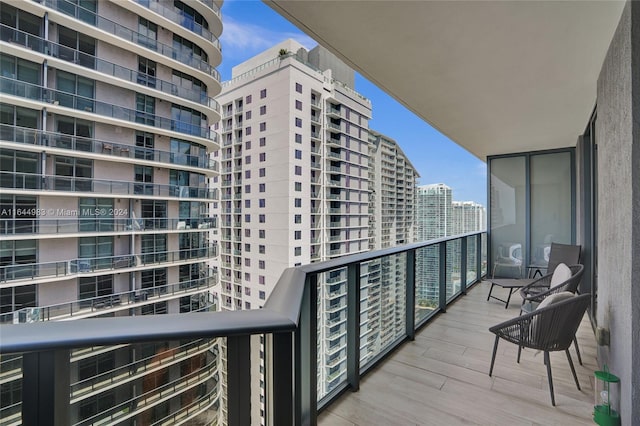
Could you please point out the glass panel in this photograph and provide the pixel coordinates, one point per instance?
(427, 281)
(184, 389)
(472, 260)
(11, 385)
(453, 268)
(508, 216)
(332, 330)
(551, 219)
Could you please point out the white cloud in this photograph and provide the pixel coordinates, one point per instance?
(242, 39)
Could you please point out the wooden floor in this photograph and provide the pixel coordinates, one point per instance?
(442, 378)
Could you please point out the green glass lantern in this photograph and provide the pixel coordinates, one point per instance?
(607, 397)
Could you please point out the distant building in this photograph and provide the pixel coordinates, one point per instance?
(468, 216)
(392, 183)
(294, 184)
(437, 216)
(106, 144)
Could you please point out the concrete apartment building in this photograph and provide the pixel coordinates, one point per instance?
(105, 199)
(392, 183)
(437, 216)
(468, 216)
(294, 180)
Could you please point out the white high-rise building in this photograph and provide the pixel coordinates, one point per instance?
(392, 179)
(294, 183)
(468, 216)
(105, 121)
(434, 217)
(392, 182)
(433, 220)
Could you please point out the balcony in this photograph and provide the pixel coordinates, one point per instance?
(50, 228)
(447, 363)
(449, 354)
(18, 274)
(34, 182)
(40, 45)
(179, 17)
(10, 86)
(177, 53)
(87, 308)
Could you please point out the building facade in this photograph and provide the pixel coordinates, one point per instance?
(437, 216)
(392, 183)
(294, 184)
(468, 216)
(105, 203)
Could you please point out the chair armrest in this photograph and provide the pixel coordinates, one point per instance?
(535, 288)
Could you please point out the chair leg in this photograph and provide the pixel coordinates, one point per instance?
(490, 290)
(508, 298)
(548, 364)
(493, 357)
(573, 370)
(575, 343)
(519, 352)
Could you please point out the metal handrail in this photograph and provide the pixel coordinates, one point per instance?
(289, 311)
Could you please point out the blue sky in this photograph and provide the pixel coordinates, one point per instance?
(251, 27)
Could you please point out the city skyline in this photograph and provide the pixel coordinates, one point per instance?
(251, 27)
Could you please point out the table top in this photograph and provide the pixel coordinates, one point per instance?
(510, 282)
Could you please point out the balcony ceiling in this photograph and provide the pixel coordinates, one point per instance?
(494, 76)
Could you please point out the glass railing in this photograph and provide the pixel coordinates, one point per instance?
(36, 182)
(340, 317)
(42, 225)
(38, 44)
(179, 53)
(39, 93)
(99, 305)
(77, 143)
(90, 265)
(180, 18)
(138, 368)
(211, 5)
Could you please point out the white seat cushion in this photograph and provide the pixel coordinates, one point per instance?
(560, 275)
(555, 298)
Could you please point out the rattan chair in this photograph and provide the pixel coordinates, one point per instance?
(540, 289)
(535, 292)
(548, 329)
(560, 253)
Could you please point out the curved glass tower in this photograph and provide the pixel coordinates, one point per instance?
(105, 147)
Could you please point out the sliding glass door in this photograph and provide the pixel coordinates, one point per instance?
(531, 205)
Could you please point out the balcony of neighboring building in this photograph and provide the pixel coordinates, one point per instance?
(26, 139)
(35, 273)
(60, 56)
(72, 186)
(66, 103)
(115, 302)
(65, 227)
(81, 19)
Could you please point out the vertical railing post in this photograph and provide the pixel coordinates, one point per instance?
(353, 325)
(463, 265)
(479, 256)
(410, 294)
(442, 268)
(239, 380)
(306, 353)
(280, 379)
(45, 388)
